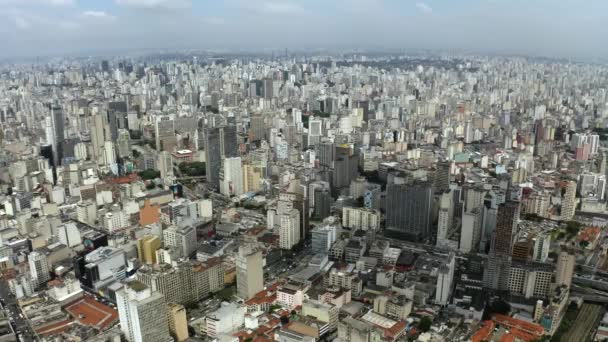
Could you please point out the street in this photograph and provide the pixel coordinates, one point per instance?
(9, 305)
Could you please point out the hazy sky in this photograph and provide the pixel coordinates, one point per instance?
(560, 28)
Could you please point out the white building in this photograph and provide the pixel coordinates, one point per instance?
(231, 177)
(445, 277)
(142, 314)
(184, 238)
(360, 218)
(226, 319)
(39, 268)
(86, 212)
(69, 234)
(289, 231)
(249, 272)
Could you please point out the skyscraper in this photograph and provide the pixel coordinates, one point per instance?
(408, 210)
(507, 218)
(142, 313)
(289, 231)
(249, 272)
(569, 201)
(565, 268)
(58, 134)
(442, 175)
(39, 268)
(220, 143)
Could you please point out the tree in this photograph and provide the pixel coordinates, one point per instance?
(425, 324)
(136, 154)
(194, 169)
(149, 174)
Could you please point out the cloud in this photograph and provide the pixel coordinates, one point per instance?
(98, 14)
(18, 3)
(214, 20)
(425, 8)
(156, 4)
(280, 7)
(21, 23)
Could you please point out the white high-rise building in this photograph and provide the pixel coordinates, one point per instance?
(39, 268)
(565, 268)
(446, 216)
(289, 231)
(445, 277)
(164, 164)
(142, 313)
(231, 177)
(249, 272)
(184, 238)
(109, 153)
(470, 232)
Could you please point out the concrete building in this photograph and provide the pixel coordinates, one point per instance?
(565, 268)
(249, 272)
(142, 313)
(147, 247)
(178, 323)
(183, 238)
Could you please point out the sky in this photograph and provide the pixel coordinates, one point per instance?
(551, 28)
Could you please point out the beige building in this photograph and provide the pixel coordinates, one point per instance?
(147, 247)
(178, 323)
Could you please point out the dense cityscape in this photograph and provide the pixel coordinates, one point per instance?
(297, 197)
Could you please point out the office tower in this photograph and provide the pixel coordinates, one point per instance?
(147, 247)
(268, 90)
(323, 237)
(183, 238)
(442, 176)
(231, 177)
(123, 143)
(249, 272)
(39, 268)
(489, 210)
(569, 201)
(496, 273)
(101, 267)
(105, 66)
(542, 245)
(58, 134)
(178, 323)
(220, 143)
(474, 197)
(257, 128)
(345, 167)
(408, 210)
(165, 134)
(506, 228)
(98, 127)
(252, 178)
(326, 154)
(445, 277)
(470, 232)
(142, 313)
(565, 268)
(289, 230)
(445, 218)
(322, 203)
(109, 153)
(164, 164)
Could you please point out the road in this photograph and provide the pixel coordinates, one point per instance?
(9, 304)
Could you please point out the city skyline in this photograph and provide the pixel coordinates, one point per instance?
(563, 29)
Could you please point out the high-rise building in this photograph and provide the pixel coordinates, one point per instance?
(445, 218)
(164, 164)
(249, 272)
(506, 228)
(569, 201)
(184, 238)
(165, 134)
(142, 313)
(178, 323)
(58, 136)
(470, 231)
(323, 237)
(39, 268)
(442, 176)
(445, 277)
(147, 247)
(565, 268)
(220, 143)
(231, 177)
(289, 230)
(408, 210)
